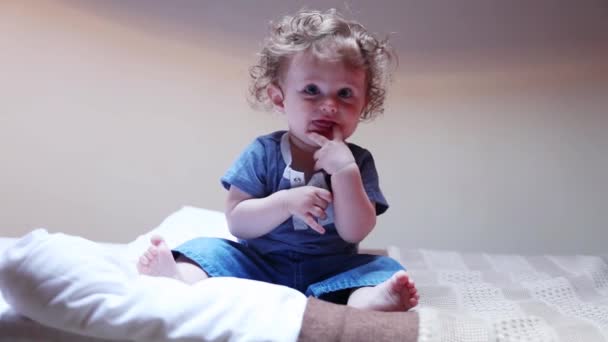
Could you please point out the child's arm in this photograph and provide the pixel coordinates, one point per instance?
(355, 214)
(250, 217)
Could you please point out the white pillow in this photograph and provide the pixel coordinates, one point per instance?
(77, 285)
(185, 224)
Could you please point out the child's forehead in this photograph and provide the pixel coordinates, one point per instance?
(306, 67)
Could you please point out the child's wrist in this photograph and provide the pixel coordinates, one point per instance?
(281, 196)
(348, 168)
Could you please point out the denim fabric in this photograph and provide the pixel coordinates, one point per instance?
(265, 168)
(330, 277)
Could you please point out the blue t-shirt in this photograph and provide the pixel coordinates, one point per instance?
(265, 168)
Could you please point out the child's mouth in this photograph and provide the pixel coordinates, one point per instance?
(323, 127)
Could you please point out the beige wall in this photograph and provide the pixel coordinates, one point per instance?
(110, 120)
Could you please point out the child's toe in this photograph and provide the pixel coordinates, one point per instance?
(143, 260)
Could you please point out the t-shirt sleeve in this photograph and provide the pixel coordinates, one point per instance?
(371, 183)
(248, 172)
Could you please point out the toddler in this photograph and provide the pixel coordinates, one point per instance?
(300, 201)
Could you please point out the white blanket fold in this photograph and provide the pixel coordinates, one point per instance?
(77, 285)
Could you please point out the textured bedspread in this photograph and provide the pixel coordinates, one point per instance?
(464, 297)
(489, 297)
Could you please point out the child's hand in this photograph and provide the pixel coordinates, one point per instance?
(333, 155)
(307, 202)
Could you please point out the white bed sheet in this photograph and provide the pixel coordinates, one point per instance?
(99, 294)
(464, 296)
(15, 327)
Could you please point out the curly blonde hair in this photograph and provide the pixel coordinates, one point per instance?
(329, 36)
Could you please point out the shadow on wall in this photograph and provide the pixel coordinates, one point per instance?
(470, 48)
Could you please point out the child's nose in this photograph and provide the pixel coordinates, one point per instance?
(329, 106)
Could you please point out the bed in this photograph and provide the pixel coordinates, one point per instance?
(57, 287)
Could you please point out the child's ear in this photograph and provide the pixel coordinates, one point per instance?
(276, 96)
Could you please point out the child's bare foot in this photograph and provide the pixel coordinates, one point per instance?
(398, 293)
(158, 261)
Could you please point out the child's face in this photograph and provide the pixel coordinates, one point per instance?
(317, 95)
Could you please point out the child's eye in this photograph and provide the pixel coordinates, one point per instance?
(311, 89)
(345, 93)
